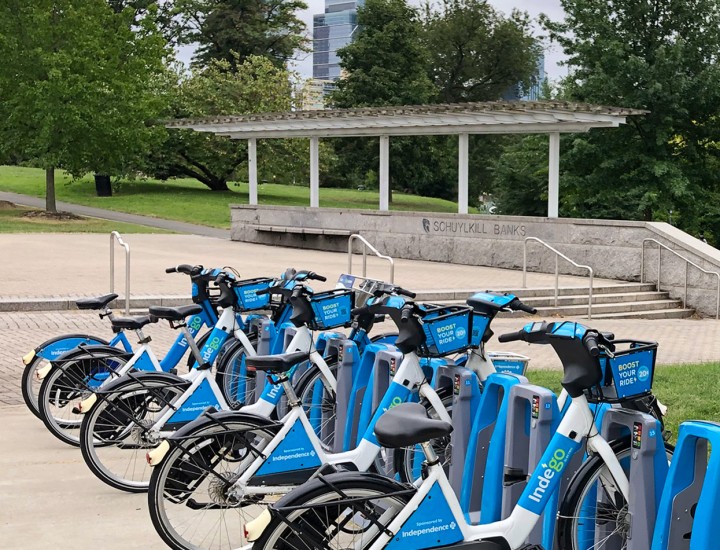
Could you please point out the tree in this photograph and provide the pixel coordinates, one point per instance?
(233, 30)
(223, 88)
(77, 84)
(657, 56)
(477, 54)
(387, 64)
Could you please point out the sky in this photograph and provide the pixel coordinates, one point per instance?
(552, 8)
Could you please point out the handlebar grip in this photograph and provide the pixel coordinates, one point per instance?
(591, 345)
(356, 311)
(511, 336)
(527, 309)
(405, 314)
(517, 305)
(315, 276)
(171, 270)
(403, 292)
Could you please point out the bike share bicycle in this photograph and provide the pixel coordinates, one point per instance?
(79, 372)
(126, 414)
(237, 464)
(361, 510)
(38, 362)
(137, 411)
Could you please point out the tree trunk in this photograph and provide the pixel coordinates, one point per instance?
(50, 205)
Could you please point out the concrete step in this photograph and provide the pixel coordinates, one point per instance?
(462, 294)
(600, 309)
(677, 313)
(582, 299)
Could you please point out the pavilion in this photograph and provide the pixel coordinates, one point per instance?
(461, 119)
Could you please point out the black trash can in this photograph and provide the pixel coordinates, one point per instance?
(102, 186)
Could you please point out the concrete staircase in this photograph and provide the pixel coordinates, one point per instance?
(621, 301)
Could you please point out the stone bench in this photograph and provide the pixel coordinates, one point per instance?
(302, 230)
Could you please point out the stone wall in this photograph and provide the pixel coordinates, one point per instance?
(611, 248)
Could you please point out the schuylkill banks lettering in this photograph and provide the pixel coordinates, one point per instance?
(473, 228)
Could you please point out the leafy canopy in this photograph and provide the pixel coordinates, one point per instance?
(658, 56)
(78, 84)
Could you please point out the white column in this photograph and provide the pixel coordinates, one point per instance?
(252, 171)
(314, 172)
(554, 175)
(463, 146)
(384, 172)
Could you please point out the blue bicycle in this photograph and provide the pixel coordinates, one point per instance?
(39, 361)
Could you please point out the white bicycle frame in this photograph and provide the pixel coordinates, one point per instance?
(409, 376)
(578, 422)
(301, 341)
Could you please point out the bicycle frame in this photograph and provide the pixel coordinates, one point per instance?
(297, 447)
(448, 524)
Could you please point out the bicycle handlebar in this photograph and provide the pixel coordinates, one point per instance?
(519, 306)
(182, 268)
(406, 313)
(403, 292)
(511, 336)
(591, 344)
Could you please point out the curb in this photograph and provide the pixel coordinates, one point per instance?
(13, 305)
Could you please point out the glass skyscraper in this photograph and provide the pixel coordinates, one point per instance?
(331, 31)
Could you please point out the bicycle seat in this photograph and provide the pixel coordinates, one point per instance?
(407, 424)
(276, 363)
(95, 303)
(131, 323)
(174, 313)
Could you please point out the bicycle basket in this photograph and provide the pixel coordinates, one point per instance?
(506, 362)
(447, 330)
(627, 375)
(332, 308)
(246, 291)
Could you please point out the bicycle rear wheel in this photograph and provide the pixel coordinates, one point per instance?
(192, 498)
(115, 434)
(353, 519)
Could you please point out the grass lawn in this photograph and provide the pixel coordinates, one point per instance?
(689, 391)
(190, 201)
(12, 221)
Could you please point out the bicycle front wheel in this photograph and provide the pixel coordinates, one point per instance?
(594, 514)
(116, 434)
(193, 500)
(352, 516)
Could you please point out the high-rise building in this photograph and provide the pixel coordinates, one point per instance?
(533, 94)
(331, 31)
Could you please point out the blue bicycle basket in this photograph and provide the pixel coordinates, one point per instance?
(447, 330)
(247, 289)
(332, 308)
(628, 374)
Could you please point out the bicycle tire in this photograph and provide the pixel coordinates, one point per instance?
(30, 385)
(404, 461)
(307, 385)
(324, 521)
(66, 385)
(115, 430)
(185, 473)
(569, 530)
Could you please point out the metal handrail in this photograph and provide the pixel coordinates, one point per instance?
(558, 254)
(660, 247)
(115, 236)
(374, 250)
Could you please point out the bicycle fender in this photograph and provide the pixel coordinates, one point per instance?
(54, 347)
(99, 350)
(213, 418)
